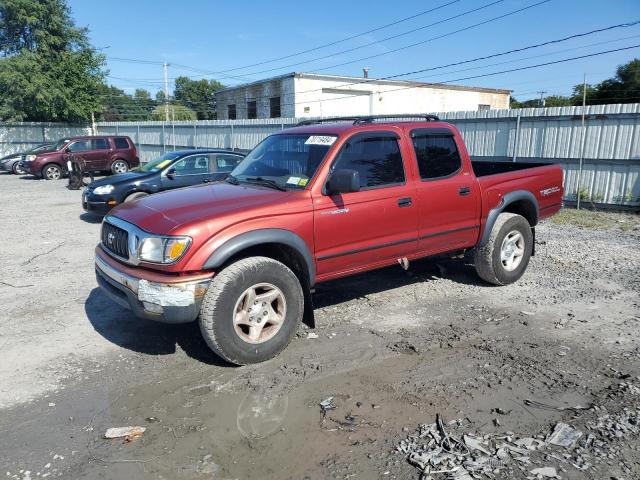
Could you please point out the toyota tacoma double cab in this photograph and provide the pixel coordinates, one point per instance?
(313, 203)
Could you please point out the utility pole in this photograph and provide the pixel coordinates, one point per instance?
(542, 92)
(165, 66)
(584, 138)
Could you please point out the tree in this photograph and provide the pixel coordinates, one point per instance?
(176, 112)
(48, 69)
(197, 95)
(119, 106)
(624, 87)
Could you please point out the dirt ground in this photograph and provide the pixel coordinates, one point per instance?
(393, 348)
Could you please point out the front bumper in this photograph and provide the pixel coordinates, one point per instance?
(93, 204)
(162, 298)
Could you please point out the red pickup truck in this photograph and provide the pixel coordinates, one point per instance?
(311, 204)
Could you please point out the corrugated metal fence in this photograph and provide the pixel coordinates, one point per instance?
(21, 137)
(610, 147)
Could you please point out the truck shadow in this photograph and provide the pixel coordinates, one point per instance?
(119, 326)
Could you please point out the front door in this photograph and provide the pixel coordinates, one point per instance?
(375, 225)
(190, 170)
(448, 196)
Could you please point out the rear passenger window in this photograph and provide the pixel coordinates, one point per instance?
(437, 155)
(121, 143)
(100, 144)
(226, 163)
(376, 158)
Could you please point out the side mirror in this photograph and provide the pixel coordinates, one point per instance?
(67, 150)
(171, 173)
(343, 181)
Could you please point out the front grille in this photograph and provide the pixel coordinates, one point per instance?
(115, 240)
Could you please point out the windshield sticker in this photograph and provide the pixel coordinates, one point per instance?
(163, 164)
(303, 182)
(293, 180)
(325, 140)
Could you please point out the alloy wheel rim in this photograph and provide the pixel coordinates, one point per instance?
(259, 313)
(53, 173)
(120, 167)
(512, 250)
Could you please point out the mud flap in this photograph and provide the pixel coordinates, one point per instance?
(308, 317)
(533, 247)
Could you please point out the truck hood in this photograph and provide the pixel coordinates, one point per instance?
(185, 208)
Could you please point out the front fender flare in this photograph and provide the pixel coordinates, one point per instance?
(509, 198)
(258, 237)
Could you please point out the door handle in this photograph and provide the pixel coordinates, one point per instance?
(404, 202)
(464, 191)
(206, 180)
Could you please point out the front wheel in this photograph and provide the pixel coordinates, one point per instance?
(119, 166)
(252, 310)
(17, 169)
(52, 172)
(506, 255)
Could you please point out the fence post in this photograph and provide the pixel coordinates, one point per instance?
(231, 138)
(195, 135)
(516, 140)
(164, 143)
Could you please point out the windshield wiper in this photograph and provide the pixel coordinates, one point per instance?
(232, 180)
(265, 182)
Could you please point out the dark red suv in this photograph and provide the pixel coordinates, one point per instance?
(116, 154)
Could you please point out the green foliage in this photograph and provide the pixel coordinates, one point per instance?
(119, 106)
(198, 95)
(48, 70)
(176, 112)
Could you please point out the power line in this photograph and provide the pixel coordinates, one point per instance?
(359, 47)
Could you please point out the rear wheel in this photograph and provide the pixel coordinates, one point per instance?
(135, 196)
(52, 172)
(119, 166)
(17, 169)
(506, 255)
(252, 310)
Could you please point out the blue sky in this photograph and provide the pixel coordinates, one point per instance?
(200, 36)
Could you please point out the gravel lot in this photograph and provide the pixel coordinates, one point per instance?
(393, 349)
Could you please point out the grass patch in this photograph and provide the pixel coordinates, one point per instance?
(597, 220)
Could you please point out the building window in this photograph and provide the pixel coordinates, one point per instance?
(252, 110)
(484, 107)
(231, 112)
(274, 107)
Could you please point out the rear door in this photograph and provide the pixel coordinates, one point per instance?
(448, 195)
(375, 225)
(190, 170)
(221, 165)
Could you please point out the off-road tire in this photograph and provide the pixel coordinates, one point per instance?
(487, 258)
(48, 171)
(119, 163)
(17, 169)
(135, 196)
(217, 310)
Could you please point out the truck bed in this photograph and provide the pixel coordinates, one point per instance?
(483, 168)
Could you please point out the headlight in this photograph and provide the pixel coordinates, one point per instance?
(163, 249)
(103, 190)
(30, 158)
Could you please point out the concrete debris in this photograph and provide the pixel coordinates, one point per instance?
(545, 472)
(312, 335)
(124, 432)
(563, 435)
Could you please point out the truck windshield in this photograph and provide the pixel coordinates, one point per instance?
(158, 164)
(284, 161)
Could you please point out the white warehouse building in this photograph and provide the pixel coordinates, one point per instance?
(312, 95)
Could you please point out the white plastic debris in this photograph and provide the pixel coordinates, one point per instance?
(563, 435)
(474, 444)
(312, 335)
(120, 432)
(545, 472)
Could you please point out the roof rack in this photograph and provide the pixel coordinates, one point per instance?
(363, 119)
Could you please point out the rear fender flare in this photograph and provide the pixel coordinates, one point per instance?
(508, 199)
(258, 237)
